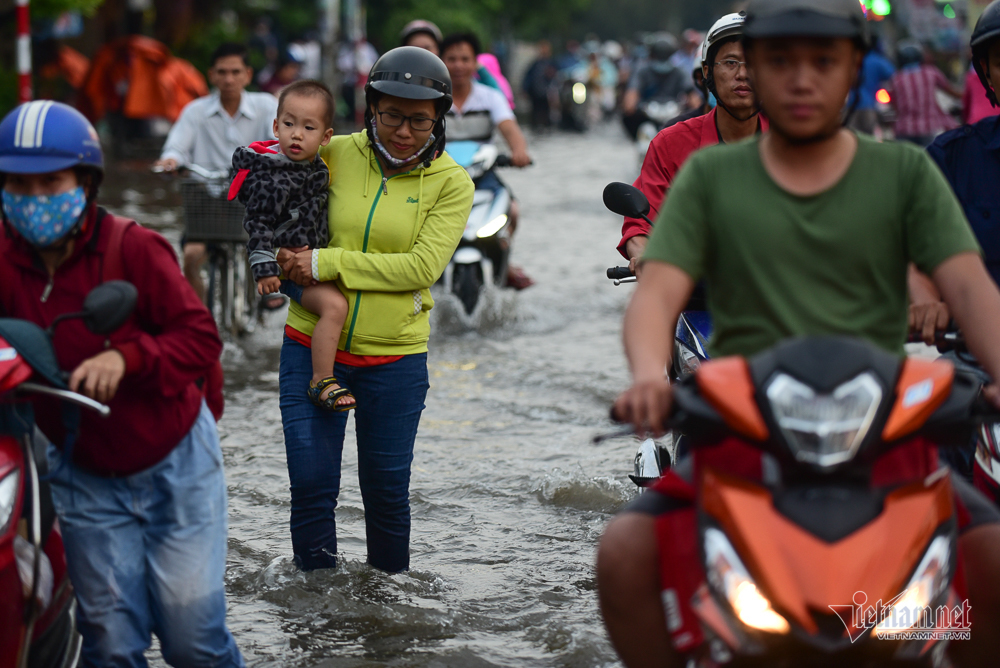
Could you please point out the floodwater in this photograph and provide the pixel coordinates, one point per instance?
(509, 497)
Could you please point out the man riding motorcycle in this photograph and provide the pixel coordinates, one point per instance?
(658, 80)
(808, 230)
(477, 112)
(735, 117)
(969, 159)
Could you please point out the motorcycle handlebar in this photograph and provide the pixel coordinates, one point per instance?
(618, 273)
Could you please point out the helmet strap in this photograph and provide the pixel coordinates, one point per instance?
(710, 85)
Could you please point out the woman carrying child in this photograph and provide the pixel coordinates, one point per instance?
(283, 183)
(398, 206)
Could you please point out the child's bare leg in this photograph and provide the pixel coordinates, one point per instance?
(326, 301)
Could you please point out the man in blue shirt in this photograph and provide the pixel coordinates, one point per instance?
(876, 70)
(970, 156)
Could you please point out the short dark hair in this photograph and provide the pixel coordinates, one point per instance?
(229, 49)
(310, 88)
(457, 38)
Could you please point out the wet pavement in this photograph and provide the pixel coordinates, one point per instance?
(508, 495)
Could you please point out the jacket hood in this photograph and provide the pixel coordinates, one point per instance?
(442, 163)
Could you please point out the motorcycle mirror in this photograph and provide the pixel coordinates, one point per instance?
(108, 306)
(626, 200)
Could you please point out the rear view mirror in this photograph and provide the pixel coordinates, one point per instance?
(626, 200)
(108, 306)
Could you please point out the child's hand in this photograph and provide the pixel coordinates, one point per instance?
(268, 285)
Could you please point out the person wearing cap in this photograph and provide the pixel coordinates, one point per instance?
(398, 206)
(735, 117)
(806, 230)
(140, 496)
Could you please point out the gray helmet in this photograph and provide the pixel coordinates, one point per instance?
(987, 30)
(662, 46)
(812, 18)
(909, 52)
(411, 73)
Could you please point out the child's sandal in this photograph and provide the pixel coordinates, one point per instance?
(330, 402)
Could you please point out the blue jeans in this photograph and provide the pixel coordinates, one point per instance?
(292, 290)
(147, 553)
(390, 400)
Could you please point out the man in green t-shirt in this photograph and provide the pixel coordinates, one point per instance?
(808, 230)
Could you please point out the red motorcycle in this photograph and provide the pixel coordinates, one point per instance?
(37, 604)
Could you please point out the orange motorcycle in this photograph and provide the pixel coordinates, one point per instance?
(814, 526)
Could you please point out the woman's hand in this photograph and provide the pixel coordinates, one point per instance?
(298, 268)
(284, 254)
(99, 376)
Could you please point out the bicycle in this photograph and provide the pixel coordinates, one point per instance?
(210, 218)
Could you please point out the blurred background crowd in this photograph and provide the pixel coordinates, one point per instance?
(131, 65)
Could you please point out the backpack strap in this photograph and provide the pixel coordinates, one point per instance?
(114, 256)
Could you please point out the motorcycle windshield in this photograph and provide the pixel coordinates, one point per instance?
(462, 152)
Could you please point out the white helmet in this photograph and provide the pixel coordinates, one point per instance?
(728, 26)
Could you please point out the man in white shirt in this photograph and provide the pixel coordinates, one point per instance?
(477, 110)
(211, 128)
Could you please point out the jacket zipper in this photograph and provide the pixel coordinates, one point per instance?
(364, 249)
(48, 289)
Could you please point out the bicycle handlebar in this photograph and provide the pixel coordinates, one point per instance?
(210, 174)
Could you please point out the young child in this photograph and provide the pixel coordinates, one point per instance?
(284, 185)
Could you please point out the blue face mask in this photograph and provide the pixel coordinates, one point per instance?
(45, 219)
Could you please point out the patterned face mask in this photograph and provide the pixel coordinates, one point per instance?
(45, 219)
(396, 162)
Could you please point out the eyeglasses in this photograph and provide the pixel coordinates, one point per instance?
(394, 120)
(730, 65)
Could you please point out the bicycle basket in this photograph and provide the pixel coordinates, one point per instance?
(208, 215)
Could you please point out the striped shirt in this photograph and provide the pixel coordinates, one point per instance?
(917, 109)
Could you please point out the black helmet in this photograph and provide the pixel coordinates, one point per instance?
(662, 47)
(411, 73)
(909, 52)
(818, 18)
(987, 29)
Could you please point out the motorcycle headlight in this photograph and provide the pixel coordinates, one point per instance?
(928, 582)
(727, 574)
(579, 92)
(687, 360)
(824, 429)
(8, 498)
(492, 227)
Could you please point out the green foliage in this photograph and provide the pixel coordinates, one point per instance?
(53, 8)
(490, 19)
(8, 91)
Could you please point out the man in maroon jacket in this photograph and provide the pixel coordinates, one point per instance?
(140, 495)
(736, 117)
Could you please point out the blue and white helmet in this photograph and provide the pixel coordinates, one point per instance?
(47, 136)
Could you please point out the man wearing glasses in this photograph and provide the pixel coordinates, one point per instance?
(735, 117)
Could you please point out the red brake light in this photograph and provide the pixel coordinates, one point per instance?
(883, 96)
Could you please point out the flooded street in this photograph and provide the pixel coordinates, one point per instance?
(508, 495)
